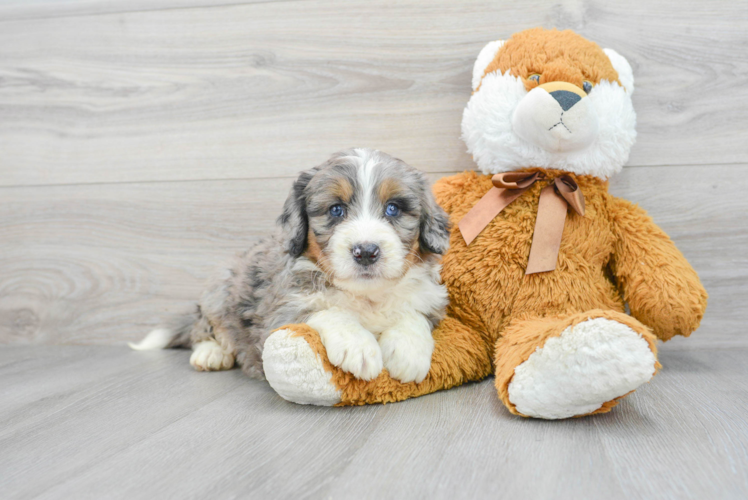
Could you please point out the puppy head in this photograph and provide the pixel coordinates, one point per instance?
(552, 99)
(365, 218)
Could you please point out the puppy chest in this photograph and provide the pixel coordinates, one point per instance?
(377, 318)
(375, 314)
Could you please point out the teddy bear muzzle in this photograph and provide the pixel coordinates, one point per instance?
(557, 117)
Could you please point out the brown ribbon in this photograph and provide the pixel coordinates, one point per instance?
(562, 192)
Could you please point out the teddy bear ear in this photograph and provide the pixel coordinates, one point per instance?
(622, 66)
(484, 59)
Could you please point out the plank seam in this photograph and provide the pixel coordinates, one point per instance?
(134, 11)
(280, 177)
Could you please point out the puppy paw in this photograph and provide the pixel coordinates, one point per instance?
(355, 352)
(209, 356)
(350, 346)
(407, 357)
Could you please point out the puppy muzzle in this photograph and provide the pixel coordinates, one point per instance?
(557, 117)
(365, 249)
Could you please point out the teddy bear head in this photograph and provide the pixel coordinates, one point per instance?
(550, 99)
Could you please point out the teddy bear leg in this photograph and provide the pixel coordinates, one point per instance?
(296, 366)
(573, 365)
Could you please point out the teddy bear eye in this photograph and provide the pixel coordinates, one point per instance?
(534, 78)
(587, 86)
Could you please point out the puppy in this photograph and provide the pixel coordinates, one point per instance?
(356, 256)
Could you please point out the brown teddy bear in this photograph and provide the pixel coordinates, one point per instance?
(543, 260)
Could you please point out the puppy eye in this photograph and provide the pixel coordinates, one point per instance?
(337, 210)
(587, 86)
(534, 78)
(392, 210)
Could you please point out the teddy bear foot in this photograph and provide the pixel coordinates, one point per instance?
(296, 372)
(576, 373)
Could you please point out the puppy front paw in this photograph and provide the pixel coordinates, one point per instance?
(357, 353)
(407, 357)
(350, 346)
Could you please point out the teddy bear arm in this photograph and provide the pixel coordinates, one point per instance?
(296, 365)
(662, 289)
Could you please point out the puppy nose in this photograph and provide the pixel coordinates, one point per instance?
(365, 253)
(565, 98)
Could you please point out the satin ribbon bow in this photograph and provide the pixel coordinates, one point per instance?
(561, 192)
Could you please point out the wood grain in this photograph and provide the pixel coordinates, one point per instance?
(150, 427)
(105, 263)
(262, 89)
(44, 9)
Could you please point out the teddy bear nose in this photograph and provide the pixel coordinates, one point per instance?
(565, 98)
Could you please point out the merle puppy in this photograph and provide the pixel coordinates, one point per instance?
(356, 257)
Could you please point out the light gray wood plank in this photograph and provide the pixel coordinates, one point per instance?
(76, 268)
(44, 378)
(706, 408)
(157, 429)
(105, 263)
(264, 89)
(44, 9)
(76, 425)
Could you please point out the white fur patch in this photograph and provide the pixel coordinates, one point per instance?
(623, 68)
(489, 134)
(589, 364)
(486, 56)
(407, 348)
(156, 339)
(295, 372)
(208, 355)
(349, 345)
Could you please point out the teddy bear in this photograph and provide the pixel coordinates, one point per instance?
(543, 261)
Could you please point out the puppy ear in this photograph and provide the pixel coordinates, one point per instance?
(294, 220)
(434, 229)
(486, 57)
(622, 66)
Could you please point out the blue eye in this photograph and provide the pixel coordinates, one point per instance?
(336, 210)
(392, 210)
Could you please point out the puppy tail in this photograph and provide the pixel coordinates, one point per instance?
(176, 334)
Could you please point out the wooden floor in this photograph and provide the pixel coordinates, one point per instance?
(143, 142)
(106, 422)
